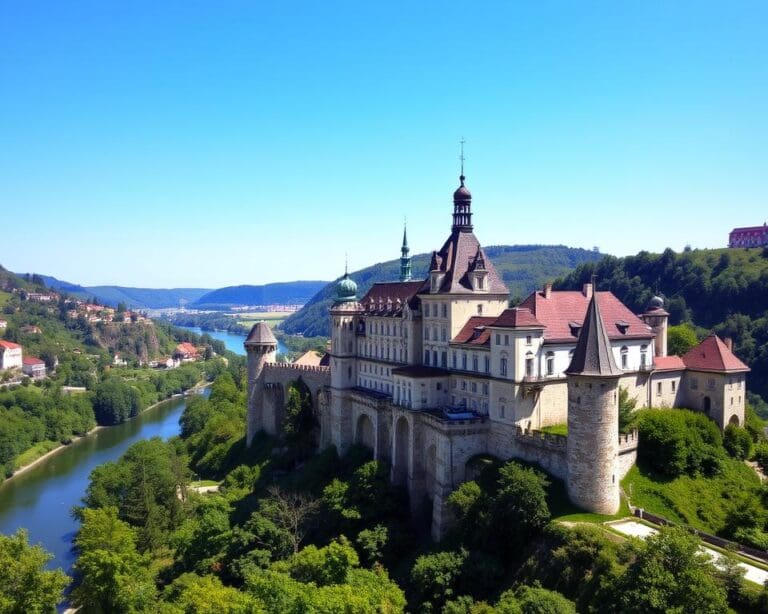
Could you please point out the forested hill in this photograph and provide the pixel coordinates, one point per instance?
(284, 293)
(719, 290)
(523, 267)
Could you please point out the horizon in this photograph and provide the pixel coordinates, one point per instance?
(179, 146)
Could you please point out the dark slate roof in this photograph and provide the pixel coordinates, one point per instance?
(261, 334)
(388, 298)
(713, 355)
(593, 355)
(454, 259)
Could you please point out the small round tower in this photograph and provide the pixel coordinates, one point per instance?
(345, 316)
(593, 418)
(261, 348)
(657, 318)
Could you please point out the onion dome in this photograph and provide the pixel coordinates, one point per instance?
(462, 193)
(656, 303)
(346, 290)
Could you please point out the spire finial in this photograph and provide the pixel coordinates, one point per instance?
(461, 157)
(346, 264)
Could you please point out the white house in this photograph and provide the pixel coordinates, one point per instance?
(10, 355)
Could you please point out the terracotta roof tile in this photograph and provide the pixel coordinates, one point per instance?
(563, 312)
(31, 360)
(668, 363)
(517, 317)
(475, 331)
(9, 345)
(713, 355)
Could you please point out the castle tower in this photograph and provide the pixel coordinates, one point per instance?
(462, 206)
(405, 259)
(593, 418)
(345, 317)
(261, 348)
(658, 319)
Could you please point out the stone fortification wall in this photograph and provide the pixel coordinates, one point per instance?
(547, 450)
(627, 452)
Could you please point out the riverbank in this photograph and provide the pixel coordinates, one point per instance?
(24, 468)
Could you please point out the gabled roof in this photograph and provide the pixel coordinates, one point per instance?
(593, 355)
(311, 358)
(31, 360)
(517, 317)
(713, 355)
(260, 334)
(9, 345)
(186, 348)
(455, 258)
(668, 363)
(475, 331)
(382, 299)
(564, 310)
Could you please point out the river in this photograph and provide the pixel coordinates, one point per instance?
(40, 499)
(232, 341)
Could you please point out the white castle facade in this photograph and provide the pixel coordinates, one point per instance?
(430, 374)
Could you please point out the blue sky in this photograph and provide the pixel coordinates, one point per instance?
(209, 144)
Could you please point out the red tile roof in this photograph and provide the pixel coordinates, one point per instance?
(31, 360)
(563, 312)
(382, 299)
(186, 348)
(455, 258)
(518, 317)
(9, 345)
(475, 331)
(668, 363)
(713, 355)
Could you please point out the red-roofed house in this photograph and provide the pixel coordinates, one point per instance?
(186, 352)
(10, 355)
(34, 367)
(750, 236)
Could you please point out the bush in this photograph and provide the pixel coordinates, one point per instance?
(737, 442)
(435, 576)
(677, 441)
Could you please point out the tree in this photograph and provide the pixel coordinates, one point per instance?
(113, 576)
(207, 595)
(322, 566)
(738, 442)
(292, 511)
(299, 422)
(25, 585)
(434, 577)
(670, 574)
(627, 416)
(521, 499)
(114, 401)
(681, 338)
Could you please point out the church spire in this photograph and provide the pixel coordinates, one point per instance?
(405, 258)
(462, 202)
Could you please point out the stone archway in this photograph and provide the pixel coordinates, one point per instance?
(402, 451)
(364, 433)
(734, 420)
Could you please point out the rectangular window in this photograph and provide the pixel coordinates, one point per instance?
(498, 339)
(487, 364)
(474, 362)
(464, 362)
(479, 310)
(445, 310)
(463, 384)
(528, 340)
(503, 366)
(474, 387)
(674, 386)
(506, 339)
(426, 357)
(444, 360)
(485, 388)
(453, 359)
(658, 389)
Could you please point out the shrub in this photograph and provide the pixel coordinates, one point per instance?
(737, 442)
(434, 576)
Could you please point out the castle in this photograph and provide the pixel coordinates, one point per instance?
(431, 373)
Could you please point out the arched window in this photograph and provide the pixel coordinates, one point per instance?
(529, 365)
(643, 356)
(503, 366)
(550, 363)
(624, 357)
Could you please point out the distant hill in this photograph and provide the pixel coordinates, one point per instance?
(137, 298)
(285, 293)
(717, 290)
(523, 267)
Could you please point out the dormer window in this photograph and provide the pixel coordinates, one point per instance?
(575, 328)
(623, 326)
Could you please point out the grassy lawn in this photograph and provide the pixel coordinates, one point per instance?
(4, 296)
(35, 452)
(700, 502)
(555, 429)
(272, 318)
(200, 483)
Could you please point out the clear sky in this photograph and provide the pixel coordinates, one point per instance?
(214, 143)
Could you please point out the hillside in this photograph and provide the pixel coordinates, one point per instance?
(717, 290)
(283, 293)
(523, 267)
(136, 298)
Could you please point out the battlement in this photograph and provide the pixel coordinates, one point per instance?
(540, 438)
(628, 441)
(289, 366)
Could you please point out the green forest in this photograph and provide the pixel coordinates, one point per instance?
(724, 291)
(523, 268)
(289, 530)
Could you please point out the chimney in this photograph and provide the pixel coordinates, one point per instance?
(547, 290)
(587, 290)
(728, 343)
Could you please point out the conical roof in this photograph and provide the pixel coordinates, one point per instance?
(593, 355)
(260, 334)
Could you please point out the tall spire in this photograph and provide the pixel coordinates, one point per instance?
(405, 258)
(462, 201)
(593, 355)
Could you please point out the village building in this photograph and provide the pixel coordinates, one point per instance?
(10, 355)
(186, 352)
(33, 367)
(749, 236)
(431, 373)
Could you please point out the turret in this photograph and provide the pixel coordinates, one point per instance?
(657, 318)
(345, 316)
(405, 259)
(593, 418)
(261, 348)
